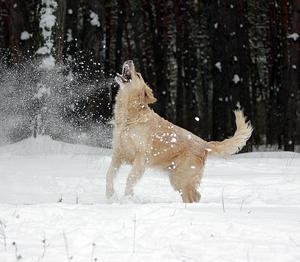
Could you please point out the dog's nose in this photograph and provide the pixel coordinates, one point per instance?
(128, 63)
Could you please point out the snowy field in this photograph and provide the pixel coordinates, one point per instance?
(53, 208)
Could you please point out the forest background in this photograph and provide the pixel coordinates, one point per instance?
(203, 60)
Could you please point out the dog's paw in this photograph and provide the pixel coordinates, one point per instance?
(113, 198)
(110, 191)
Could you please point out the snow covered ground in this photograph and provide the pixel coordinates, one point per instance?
(53, 208)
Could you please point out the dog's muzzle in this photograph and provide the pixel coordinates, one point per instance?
(127, 70)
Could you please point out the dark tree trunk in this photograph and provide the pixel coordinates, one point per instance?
(134, 17)
(160, 56)
(119, 35)
(255, 77)
(92, 31)
(180, 96)
(293, 80)
(274, 75)
(126, 29)
(158, 31)
(108, 33)
(4, 25)
(190, 62)
(240, 60)
(218, 31)
(59, 29)
(71, 28)
(18, 19)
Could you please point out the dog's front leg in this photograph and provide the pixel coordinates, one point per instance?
(138, 169)
(110, 175)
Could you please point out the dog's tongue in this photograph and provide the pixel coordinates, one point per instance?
(128, 67)
(122, 77)
(126, 73)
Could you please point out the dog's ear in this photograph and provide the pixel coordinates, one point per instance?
(147, 96)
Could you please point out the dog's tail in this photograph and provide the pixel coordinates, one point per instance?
(234, 144)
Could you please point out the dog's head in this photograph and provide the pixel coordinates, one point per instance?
(133, 84)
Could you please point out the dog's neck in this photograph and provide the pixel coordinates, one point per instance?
(129, 112)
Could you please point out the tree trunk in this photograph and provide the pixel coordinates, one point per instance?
(180, 94)
(274, 75)
(218, 30)
(293, 80)
(71, 28)
(108, 33)
(59, 30)
(119, 35)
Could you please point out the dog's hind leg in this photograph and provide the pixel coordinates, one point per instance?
(111, 174)
(187, 189)
(138, 169)
(185, 176)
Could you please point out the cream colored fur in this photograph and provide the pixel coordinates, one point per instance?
(143, 139)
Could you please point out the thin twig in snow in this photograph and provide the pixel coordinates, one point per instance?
(223, 204)
(45, 246)
(2, 233)
(290, 160)
(134, 231)
(248, 256)
(18, 256)
(60, 200)
(174, 212)
(67, 247)
(14, 214)
(297, 245)
(241, 207)
(93, 251)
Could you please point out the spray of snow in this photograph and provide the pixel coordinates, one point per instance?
(33, 100)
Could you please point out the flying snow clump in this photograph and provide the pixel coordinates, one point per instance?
(219, 66)
(69, 35)
(94, 19)
(293, 36)
(236, 79)
(47, 22)
(25, 35)
(48, 62)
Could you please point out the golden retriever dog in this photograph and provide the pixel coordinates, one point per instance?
(143, 139)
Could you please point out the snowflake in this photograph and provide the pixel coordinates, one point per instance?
(293, 36)
(236, 79)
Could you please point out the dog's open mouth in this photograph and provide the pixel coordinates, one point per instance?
(122, 78)
(126, 71)
(128, 68)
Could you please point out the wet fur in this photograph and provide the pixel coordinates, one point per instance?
(143, 139)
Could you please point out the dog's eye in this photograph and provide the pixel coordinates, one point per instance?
(138, 76)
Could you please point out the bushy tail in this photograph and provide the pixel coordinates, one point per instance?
(234, 144)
